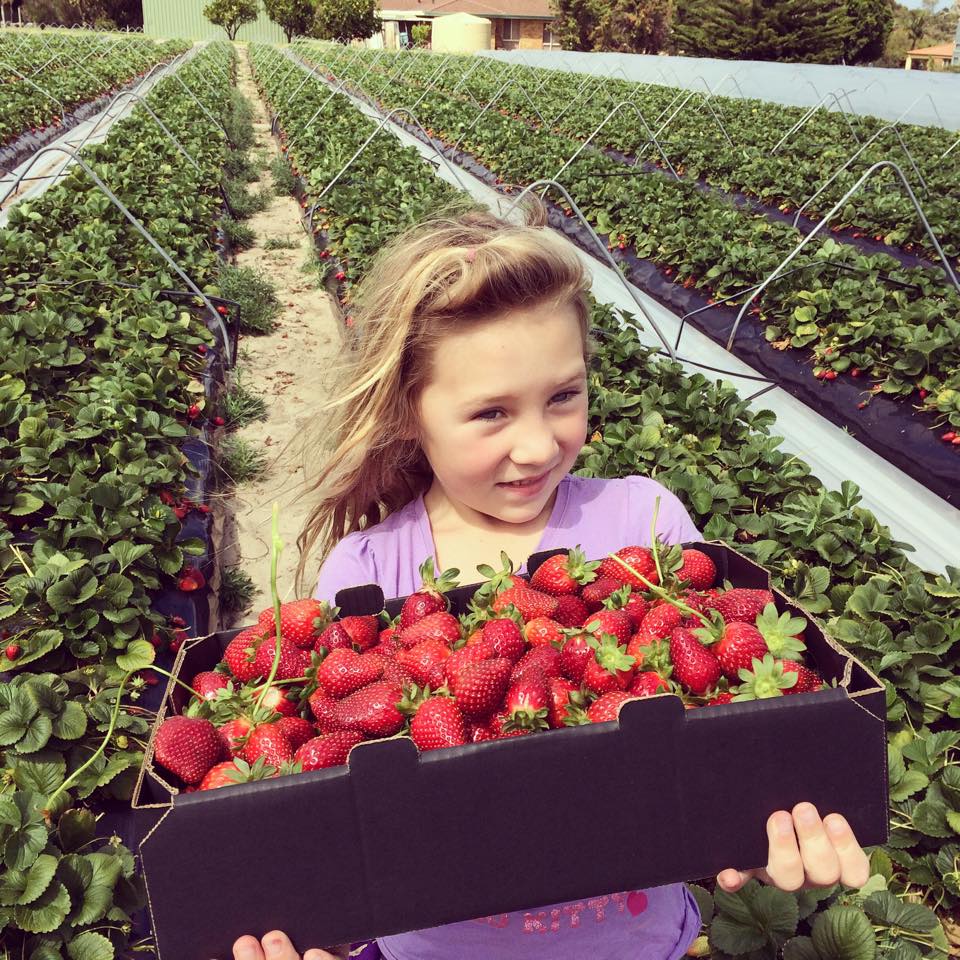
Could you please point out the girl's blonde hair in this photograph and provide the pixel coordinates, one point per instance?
(439, 276)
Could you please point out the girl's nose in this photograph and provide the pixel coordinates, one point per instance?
(535, 444)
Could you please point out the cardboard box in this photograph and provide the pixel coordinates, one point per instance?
(396, 841)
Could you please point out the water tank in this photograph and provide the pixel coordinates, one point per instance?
(460, 33)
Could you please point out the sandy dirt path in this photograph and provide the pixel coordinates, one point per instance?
(287, 368)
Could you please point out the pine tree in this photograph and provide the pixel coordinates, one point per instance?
(633, 26)
(810, 31)
(871, 22)
(713, 28)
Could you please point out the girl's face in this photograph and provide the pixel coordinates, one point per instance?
(504, 415)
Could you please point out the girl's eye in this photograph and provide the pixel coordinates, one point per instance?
(487, 415)
(565, 396)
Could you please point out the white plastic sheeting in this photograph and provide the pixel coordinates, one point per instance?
(913, 514)
(915, 96)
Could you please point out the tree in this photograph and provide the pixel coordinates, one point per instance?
(633, 26)
(575, 22)
(807, 31)
(345, 19)
(713, 28)
(294, 17)
(871, 22)
(231, 14)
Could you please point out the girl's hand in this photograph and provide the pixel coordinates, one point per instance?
(827, 853)
(276, 945)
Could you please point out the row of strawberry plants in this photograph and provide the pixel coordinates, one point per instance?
(102, 385)
(704, 442)
(855, 317)
(72, 73)
(697, 147)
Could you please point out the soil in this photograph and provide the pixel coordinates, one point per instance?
(286, 368)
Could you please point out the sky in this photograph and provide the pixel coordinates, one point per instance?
(916, 4)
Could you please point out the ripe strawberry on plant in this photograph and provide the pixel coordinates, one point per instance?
(642, 565)
(438, 723)
(187, 747)
(479, 688)
(301, 621)
(241, 652)
(610, 668)
(527, 702)
(430, 597)
(426, 662)
(328, 750)
(694, 666)
(564, 573)
(741, 604)
(542, 630)
(593, 594)
(372, 709)
(344, 670)
(297, 730)
(441, 626)
(270, 742)
(571, 611)
(766, 678)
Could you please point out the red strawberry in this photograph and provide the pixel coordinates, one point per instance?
(372, 709)
(528, 701)
(345, 670)
(329, 750)
(479, 688)
(289, 666)
(333, 637)
(224, 774)
(505, 637)
(500, 728)
(658, 623)
(614, 622)
(698, 569)
(720, 697)
(364, 631)
(736, 647)
(807, 680)
(607, 707)
(571, 611)
(297, 730)
(693, 664)
(593, 594)
(440, 626)
(301, 621)
(563, 694)
(208, 683)
(545, 660)
(648, 683)
(475, 652)
(609, 668)
(438, 723)
(564, 573)
(640, 559)
(234, 734)
(574, 656)
(542, 630)
(276, 699)
(631, 603)
(741, 604)
(187, 747)
(241, 652)
(426, 662)
(430, 597)
(267, 741)
(529, 602)
(478, 732)
(388, 640)
(324, 710)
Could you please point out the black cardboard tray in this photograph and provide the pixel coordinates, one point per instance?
(396, 841)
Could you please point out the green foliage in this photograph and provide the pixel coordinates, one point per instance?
(241, 405)
(871, 22)
(420, 33)
(345, 19)
(237, 591)
(240, 462)
(240, 235)
(293, 16)
(284, 182)
(256, 295)
(231, 14)
(630, 26)
(712, 28)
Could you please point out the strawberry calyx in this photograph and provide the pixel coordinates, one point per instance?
(610, 653)
(782, 632)
(766, 679)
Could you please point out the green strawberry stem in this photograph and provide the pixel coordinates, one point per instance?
(276, 548)
(97, 753)
(653, 539)
(185, 686)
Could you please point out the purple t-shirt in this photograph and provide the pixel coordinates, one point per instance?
(601, 516)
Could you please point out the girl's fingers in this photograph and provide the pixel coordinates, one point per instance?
(854, 863)
(277, 946)
(785, 866)
(247, 948)
(820, 861)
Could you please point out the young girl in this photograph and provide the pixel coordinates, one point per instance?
(464, 407)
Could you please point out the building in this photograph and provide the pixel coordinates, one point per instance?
(932, 58)
(184, 19)
(516, 24)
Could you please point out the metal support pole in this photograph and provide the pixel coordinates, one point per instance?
(803, 120)
(839, 170)
(137, 225)
(951, 276)
(602, 247)
(709, 106)
(38, 87)
(487, 107)
(652, 136)
(933, 104)
(215, 121)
